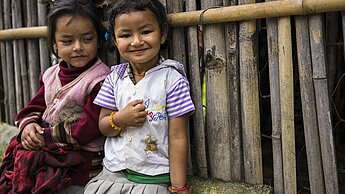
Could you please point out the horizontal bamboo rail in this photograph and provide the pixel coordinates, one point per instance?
(216, 15)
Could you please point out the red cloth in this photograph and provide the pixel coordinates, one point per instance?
(36, 171)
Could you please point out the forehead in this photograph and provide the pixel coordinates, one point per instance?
(68, 23)
(135, 18)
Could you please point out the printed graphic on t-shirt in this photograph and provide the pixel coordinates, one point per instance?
(155, 112)
(151, 144)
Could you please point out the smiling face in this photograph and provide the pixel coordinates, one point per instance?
(76, 40)
(138, 38)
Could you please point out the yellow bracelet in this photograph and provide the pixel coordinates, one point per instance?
(112, 124)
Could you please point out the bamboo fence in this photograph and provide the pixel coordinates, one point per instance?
(218, 40)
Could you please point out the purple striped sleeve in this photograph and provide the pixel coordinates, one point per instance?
(179, 101)
(105, 97)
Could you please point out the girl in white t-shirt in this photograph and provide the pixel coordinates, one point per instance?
(145, 107)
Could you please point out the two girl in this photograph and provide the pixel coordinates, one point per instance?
(59, 146)
(145, 107)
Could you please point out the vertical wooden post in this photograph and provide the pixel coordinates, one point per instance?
(33, 56)
(199, 141)
(311, 133)
(250, 101)
(17, 23)
(10, 65)
(343, 22)
(323, 104)
(5, 110)
(273, 63)
(287, 105)
(178, 51)
(43, 46)
(217, 98)
(236, 152)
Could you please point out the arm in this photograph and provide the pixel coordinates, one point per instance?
(178, 151)
(28, 119)
(133, 114)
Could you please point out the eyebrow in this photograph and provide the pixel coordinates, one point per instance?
(140, 28)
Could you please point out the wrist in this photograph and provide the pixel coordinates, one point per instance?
(112, 122)
(179, 189)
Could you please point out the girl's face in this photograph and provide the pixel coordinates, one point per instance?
(76, 40)
(138, 38)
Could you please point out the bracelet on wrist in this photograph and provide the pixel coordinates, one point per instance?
(173, 189)
(112, 124)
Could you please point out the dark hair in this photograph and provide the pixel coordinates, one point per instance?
(120, 7)
(74, 8)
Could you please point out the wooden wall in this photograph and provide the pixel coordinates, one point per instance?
(268, 92)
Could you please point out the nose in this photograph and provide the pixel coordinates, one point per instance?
(137, 41)
(78, 46)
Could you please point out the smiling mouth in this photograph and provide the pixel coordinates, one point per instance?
(79, 56)
(138, 50)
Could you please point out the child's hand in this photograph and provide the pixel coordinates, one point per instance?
(133, 114)
(32, 136)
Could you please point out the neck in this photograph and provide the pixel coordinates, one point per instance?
(139, 74)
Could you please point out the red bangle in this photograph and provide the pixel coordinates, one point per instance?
(176, 190)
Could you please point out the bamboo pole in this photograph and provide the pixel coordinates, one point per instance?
(273, 63)
(258, 10)
(332, 50)
(311, 134)
(10, 65)
(250, 111)
(236, 152)
(343, 22)
(287, 105)
(217, 95)
(219, 15)
(43, 45)
(177, 35)
(33, 56)
(199, 141)
(5, 111)
(17, 22)
(316, 34)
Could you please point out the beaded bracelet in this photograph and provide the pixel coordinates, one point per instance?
(112, 124)
(176, 190)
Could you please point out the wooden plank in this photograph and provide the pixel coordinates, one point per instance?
(250, 101)
(32, 48)
(311, 133)
(198, 144)
(236, 152)
(217, 95)
(287, 105)
(273, 63)
(316, 33)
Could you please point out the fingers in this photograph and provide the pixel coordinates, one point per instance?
(28, 146)
(30, 138)
(136, 102)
